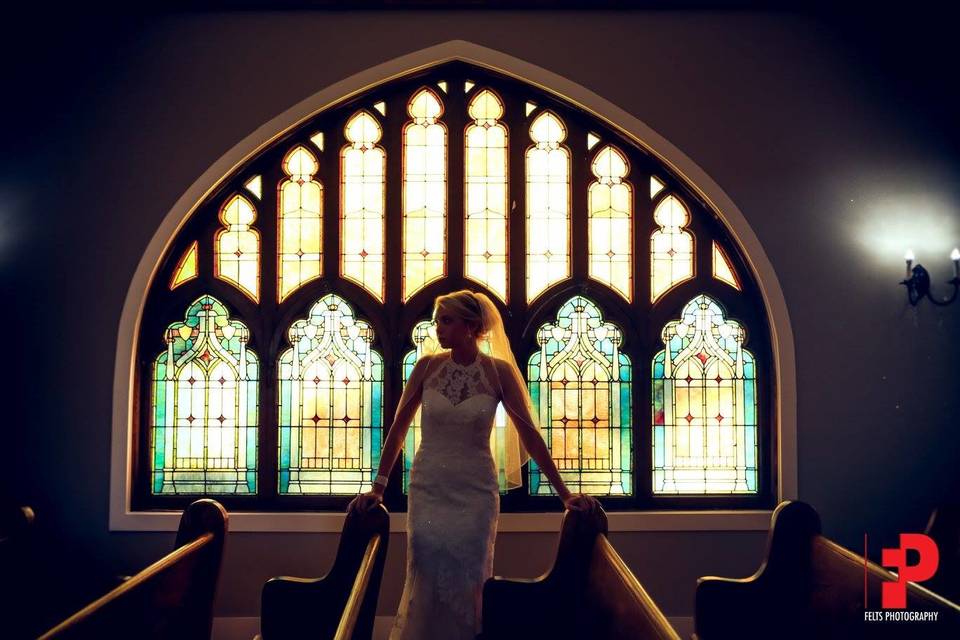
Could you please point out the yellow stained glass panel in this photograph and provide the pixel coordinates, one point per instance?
(467, 86)
(237, 247)
(721, 268)
(186, 268)
(530, 107)
(486, 194)
(362, 172)
(592, 141)
(548, 205)
(443, 86)
(424, 193)
(317, 139)
(610, 207)
(671, 247)
(299, 222)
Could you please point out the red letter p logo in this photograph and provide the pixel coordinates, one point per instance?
(895, 593)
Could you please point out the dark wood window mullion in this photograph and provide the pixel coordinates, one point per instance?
(268, 432)
(647, 345)
(580, 178)
(392, 141)
(455, 120)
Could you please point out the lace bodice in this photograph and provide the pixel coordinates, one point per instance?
(457, 382)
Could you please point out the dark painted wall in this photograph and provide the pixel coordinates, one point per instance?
(833, 137)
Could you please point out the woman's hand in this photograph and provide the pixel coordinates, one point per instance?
(365, 501)
(582, 502)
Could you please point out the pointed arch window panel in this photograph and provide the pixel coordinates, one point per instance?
(299, 224)
(705, 437)
(486, 193)
(363, 167)
(331, 403)
(204, 405)
(288, 310)
(671, 247)
(548, 205)
(424, 193)
(610, 207)
(237, 247)
(580, 384)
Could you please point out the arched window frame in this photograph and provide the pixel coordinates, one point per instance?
(268, 322)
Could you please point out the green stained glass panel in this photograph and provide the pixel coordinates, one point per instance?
(205, 405)
(331, 403)
(580, 385)
(704, 406)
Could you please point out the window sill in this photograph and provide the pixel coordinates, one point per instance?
(758, 520)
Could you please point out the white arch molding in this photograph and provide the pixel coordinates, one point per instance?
(781, 333)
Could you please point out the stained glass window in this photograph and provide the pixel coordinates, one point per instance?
(486, 194)
(363, 192)
(186, 268)
(704, 405)
(204, 405)
(548, 205)
(721, 268)
(671, 247)
(580, 383)
(424, 193)
(610, 207)
(299, 222)
(237, 247)
(331, 403)
(503, 188)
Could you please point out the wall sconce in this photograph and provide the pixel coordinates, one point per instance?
(918, 280)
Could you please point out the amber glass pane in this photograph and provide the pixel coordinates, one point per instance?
(317, 139)
(721, 268)
(610, 206)
(655, 186)
(671, 247)
(486, 197)
(424, 193)
(237, 247)
(362, 170)
(186, 268)
(548, 205)
(299, 222)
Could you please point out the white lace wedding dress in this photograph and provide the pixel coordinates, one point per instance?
(452, 507)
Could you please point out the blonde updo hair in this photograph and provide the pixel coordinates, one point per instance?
(465, 305)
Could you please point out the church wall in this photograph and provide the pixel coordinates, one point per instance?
(834, 165)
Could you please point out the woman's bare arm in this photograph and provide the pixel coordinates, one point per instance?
(515, 405)
(406, 410)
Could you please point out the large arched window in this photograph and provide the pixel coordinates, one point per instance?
(292, 304)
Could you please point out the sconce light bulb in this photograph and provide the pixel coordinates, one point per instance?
(955, 254)
(908, 256)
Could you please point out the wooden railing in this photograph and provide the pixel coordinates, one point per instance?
(172, 598)
(343, 603)
(588, 593)
(810, 587)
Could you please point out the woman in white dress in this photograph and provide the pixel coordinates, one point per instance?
(462, 462)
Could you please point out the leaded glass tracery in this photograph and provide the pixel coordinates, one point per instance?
(204, 406)
(331, 403)
(580, 383)
(705, 436)
(559, 218)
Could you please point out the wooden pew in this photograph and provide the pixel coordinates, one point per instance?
(588, 593)
(944, 528)
(343, 603)
(810, 587)
(172, 598)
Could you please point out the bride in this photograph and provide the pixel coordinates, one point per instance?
(462, 463)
